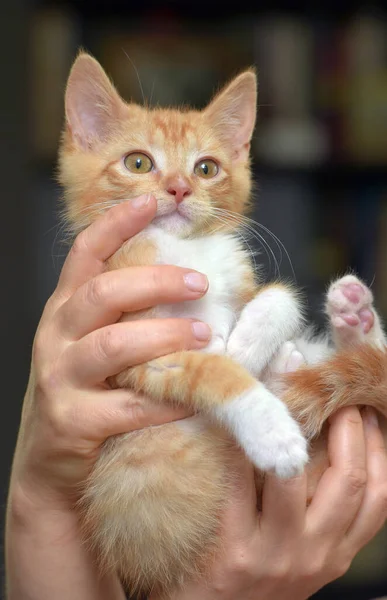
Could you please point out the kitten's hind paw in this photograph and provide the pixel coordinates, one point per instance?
(264, 428)
(351, 312)
(287, 360)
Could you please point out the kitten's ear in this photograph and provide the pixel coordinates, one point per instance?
(93, 106)
(232, 113)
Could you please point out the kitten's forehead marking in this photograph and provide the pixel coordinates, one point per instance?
(174, 141)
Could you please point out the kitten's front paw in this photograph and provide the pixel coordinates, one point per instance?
(282, 451)
(265, 430)
(350, 309)
(265, 323)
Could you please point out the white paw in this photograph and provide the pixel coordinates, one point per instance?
(283, 449)
(287, 360)
(265, 430)
(266, 322)
(350, 309)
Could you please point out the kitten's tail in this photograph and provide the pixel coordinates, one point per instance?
(356, 376)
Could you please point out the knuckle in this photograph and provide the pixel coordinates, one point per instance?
(108, 344)
(280, 569)
(315, 566)
(56, 416)
(239, 562)
(46, 382)
(157, 277)
(134, 413)
(39, 347)
(356, 480)
(338, 568)
(51, 303)
(80, 244)
(49, 383)
(326, 565)
(352, 416)
(97, 290)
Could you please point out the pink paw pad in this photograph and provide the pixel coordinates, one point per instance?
(353, 292)
(367, 319)
(350, 307)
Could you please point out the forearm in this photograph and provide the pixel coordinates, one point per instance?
(46, 558)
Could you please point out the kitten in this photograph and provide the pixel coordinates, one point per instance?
(153, 501)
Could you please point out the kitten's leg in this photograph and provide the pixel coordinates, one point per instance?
(227, 393)
(273, 317)
(352, 315)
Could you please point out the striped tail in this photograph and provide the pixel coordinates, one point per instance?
(355, 376)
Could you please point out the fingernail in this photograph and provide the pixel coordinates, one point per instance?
(371, 418)
(141, 202)
(196, 282)
(201, 331)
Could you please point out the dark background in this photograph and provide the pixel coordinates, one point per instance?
(320, 149)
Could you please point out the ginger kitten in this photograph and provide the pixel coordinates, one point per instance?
(153, 502)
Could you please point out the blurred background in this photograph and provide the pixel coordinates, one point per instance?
(319, 151)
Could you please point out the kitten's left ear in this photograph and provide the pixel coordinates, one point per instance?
(232, 113)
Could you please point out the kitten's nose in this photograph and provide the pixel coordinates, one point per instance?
(180, 189)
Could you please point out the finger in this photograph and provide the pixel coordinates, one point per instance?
(239, 517)
(341, 489)
(103, 299)
(283, 506)
(112, 349)
(105, 413)
(100, 240)
(373, 511)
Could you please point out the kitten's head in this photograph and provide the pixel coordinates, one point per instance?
(196, 163)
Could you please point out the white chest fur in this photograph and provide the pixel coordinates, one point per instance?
(223, 259)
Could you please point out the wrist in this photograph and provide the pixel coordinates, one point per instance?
(27, 503)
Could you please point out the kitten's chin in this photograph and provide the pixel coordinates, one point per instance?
(174, 223)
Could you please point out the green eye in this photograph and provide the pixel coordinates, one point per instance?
(138, 162)
(206, 168)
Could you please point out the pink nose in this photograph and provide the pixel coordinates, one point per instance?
(180, 189)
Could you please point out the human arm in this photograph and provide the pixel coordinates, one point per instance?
(65, 419)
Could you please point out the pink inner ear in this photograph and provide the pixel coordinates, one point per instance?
(93, 106)
(233, 112)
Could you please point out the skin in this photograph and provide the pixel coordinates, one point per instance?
(287, 551)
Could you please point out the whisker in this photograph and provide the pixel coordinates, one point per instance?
(138, 76)
(251, 223)
(241, 222)
(151, 94)
(224, 221)
(61, 229)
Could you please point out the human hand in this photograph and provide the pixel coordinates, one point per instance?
(289, 550)
(69, 410)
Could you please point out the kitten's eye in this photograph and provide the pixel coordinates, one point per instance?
(206, 168)
(137, 162)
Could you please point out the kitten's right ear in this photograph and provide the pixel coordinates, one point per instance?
(93, 106)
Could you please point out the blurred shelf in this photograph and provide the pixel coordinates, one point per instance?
(219, 10)
(326, 172)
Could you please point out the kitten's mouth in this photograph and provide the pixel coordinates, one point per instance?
(174, 218)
